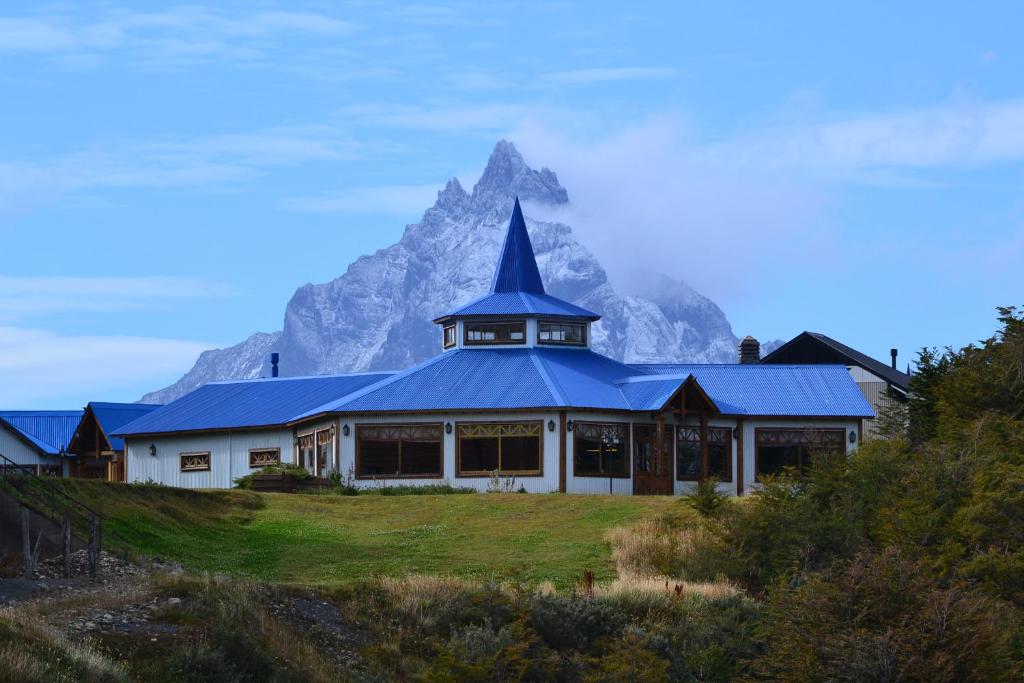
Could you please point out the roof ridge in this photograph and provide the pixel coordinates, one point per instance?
(296, 377)
(553, 386)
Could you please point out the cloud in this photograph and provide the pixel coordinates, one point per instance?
(951, 135)
(39, 366)
(25, 297)
(629, 73)
(390, 199)
(187, 32)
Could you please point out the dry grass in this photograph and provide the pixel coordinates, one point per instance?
(670, 588)
(33, 651)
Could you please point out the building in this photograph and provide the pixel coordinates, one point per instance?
(98, 455)
(880, 383)
(37, 440)
(516, 397)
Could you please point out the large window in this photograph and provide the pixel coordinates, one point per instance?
(264, 457)
(689, 461)
(304, 451)
(779, 449)
(513, 332)
(573, 334)
(195, 462)
(449, 336)
(324, 450)
(600, 450)
(507, 448)
(398, 451)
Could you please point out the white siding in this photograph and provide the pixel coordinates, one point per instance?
(229, 456)
(16, 450)
(605, 485)
(545, 483)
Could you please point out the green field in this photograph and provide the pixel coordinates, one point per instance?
(331, 540)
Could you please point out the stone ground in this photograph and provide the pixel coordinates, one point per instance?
(121, 601)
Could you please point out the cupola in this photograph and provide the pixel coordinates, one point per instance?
(517, 312)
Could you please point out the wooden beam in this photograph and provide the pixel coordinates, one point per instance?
(703, 446)
(660, 461)
(739, 457)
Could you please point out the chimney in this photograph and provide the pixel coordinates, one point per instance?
(750, 351)
(273, 364)
(893, 352)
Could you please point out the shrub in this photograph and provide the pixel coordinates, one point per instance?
(292, 472)
(707, 499)
(573, 622)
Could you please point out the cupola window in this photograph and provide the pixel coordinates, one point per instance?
(571, 334)
(449, 336)
(513, 332)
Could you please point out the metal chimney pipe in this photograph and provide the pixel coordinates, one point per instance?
(274, 357)
(892, 352)
(750, 351)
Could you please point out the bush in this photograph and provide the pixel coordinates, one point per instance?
(292, 472)
(573, 622)
(707, 500)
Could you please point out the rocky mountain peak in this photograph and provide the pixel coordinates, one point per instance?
(377, 315)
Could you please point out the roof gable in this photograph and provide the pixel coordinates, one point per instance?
(47, 431)
(816, 348)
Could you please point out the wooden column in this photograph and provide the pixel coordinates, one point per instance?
(562, 463)
(703, 445)
(659, 463)
(739, 457)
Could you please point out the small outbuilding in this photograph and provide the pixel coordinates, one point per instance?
(37, 441)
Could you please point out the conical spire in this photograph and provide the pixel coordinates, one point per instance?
(517, 267)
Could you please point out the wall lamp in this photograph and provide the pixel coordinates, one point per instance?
(735, 433)
(551, 425)
(569, 426)
(853, 437)
(152, 449)
(346, 430)
(447, 427)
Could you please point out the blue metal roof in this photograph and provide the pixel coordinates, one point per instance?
(113, 416)
(517, 288)
(48, 431)
(517, 266)
(783, 390)
(247, 403)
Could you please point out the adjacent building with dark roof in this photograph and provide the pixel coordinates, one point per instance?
(516, 392)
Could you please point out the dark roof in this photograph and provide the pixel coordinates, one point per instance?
(817, 348)
(517, 288)
(48, 431)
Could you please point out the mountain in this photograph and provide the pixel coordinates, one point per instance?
(378, 314)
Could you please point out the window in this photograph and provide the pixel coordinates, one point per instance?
(509, 448)
(573, 334)
(496, 333)
(398, 450)
(689, 462)
(600, 450)
(778, 449)
(304, 451)
(449, 336)
(264, 457)
(195, 462)
(324, 450)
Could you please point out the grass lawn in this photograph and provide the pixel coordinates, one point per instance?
(331, 540)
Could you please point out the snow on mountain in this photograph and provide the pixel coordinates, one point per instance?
(378, 314)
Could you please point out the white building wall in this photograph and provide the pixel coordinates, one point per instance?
(229, 456)
(545, 483)
(16, 450)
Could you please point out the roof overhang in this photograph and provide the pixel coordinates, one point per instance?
(23, 438)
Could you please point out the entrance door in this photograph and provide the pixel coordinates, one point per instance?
(652, 470)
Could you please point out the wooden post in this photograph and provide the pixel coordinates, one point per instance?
(93, 552)
(703, 445)
(659, 463)
(26, 543)
(65, 538)
(739, 457)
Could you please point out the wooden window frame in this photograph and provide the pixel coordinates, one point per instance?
(195, 468)
(758, 431)
(299, 438)
(398, 425)
(552, 342)
(459, 473)
(468, 325)
(726, 436)
(627, 454)
(445, 343)
(254, 451)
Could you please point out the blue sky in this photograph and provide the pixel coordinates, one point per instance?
(169, 176)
